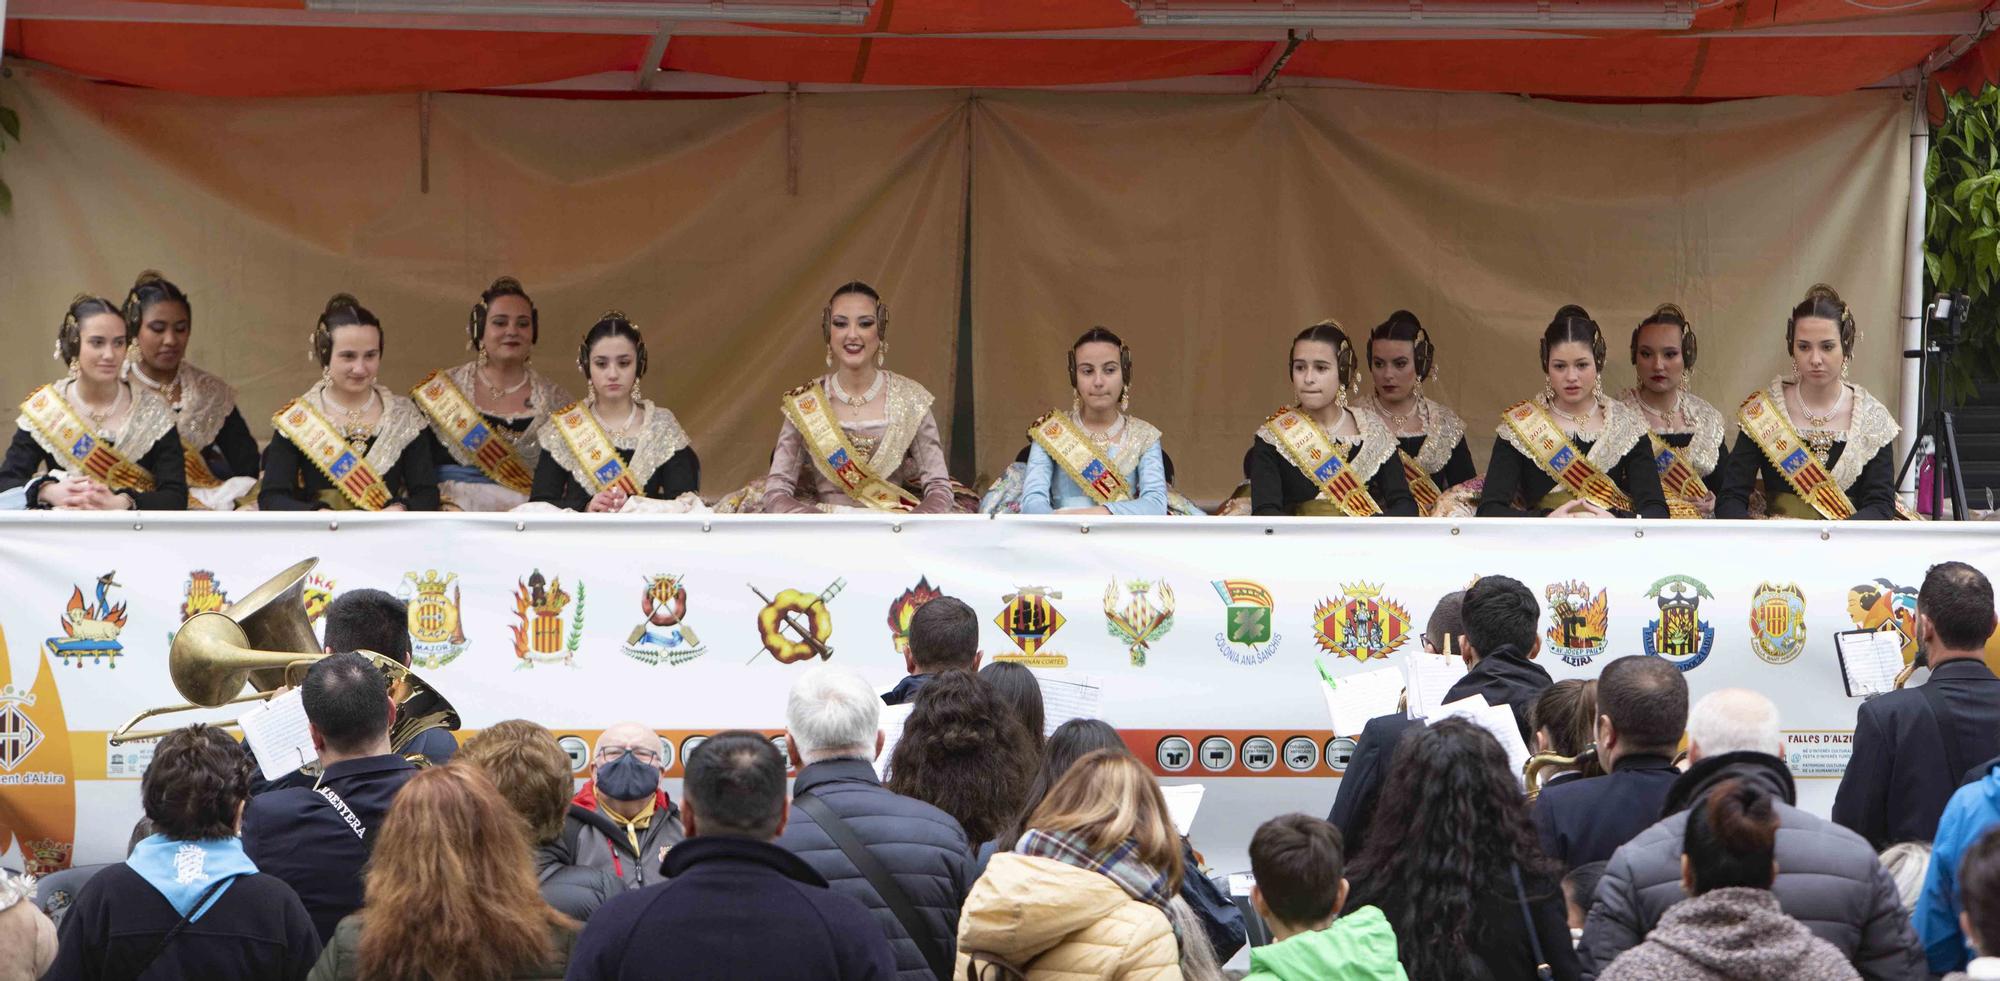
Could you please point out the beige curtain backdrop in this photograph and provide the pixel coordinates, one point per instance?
(1206, 230)
(1209, 231)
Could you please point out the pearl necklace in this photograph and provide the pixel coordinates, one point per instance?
(833, 383)
(496, 392)
(357, 435)
(1418, 409)
(1106, 437)
(1577, 420)
(1821, 420)
(97, 416)
(618, 431)
(169, 391)
(1673, 418)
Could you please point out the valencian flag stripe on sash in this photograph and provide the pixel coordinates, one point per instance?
(1422, 487)
(1313, 452)
(80, 449)
(594, 452)
(329, 451)
(834, 456)
(1098, 476)
(1787, 451)
(198, 474)
(491, 450)
(1561, 460)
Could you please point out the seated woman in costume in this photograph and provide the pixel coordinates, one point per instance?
(221, 454)
(1686, 431)
(1572, 452)
(486, 416)
(1317, 456)
(859, 437)
(348, 443)
(1429, 436)
(616, 450)
(94, 441)
(1841, 463)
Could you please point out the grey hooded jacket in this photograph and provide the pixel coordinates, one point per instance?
(1730, 935)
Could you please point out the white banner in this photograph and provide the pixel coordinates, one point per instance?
(1205, 633)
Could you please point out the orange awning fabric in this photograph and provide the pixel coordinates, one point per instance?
(1734, 49)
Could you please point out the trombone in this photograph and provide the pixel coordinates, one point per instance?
(1542, 767)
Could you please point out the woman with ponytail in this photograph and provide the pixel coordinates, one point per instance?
(221, 453)
(1685, 431)
(1731, 929)
(1317, 456)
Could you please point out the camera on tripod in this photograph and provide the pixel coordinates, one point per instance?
(1948, 312)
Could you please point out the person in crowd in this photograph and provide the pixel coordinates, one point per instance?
(1828, 877)
(833, 733)
(1908, 862)
(1643, 706)
(451, 893)
(1564, 719)
(1579, 893)
(944, 636)
(1016, 686)
(622, 819)
(372, 620)
(1221, 920)
(1317, 456)
(1913, 748)
(532, 773)
(1732, 928)
(1084, 891)
(1686, 431)
(616, 450)
(348, 443)
(189, 902)
(1501, 638)
(1972, 811)
(1095, 458)
(1849, 436)
(318, 838)
(1979, 893)
(859, 437)
(27, 937)
(221, 455)
(963, 752)
(734, 904)
(486, 416)
(1572, 451)
(1429, 436)
(1467, 899)
(93, 441)
(1298, 864)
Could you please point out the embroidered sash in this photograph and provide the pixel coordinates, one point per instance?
(198, 474)
(1422, 487)
(596, 458)
(1312, 451)
(77, 447)
(1787, 451)
(330, 453)
(1079, 457)
(1561, 460)
(1677, 476)
(457, 418)
(834, 456)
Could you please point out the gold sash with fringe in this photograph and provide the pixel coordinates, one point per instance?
(1312, 451)
(81, 450)
(455, 416)
(1422, 487)
(1561, 460)
(1079, 458)
(198, 474)
(593, 450)
(835, 457)
(329, 451)
(1787, 451)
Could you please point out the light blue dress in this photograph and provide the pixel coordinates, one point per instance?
(1046, 488)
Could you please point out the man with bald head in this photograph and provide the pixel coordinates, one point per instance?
(621, 821)
(1828, 876)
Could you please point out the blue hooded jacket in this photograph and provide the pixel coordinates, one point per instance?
(1973, 809)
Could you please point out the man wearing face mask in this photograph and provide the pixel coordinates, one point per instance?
(621, 820)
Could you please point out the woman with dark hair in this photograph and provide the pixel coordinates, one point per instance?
(1429, 436)
(1564, 721)
(1824, 448)
(221, 453)
(451, 893)
(1572, 452)
(486, 416)
(1016, 686)
(1731, 929)
(1318, 457)
(1095, 458)
(1686, 431)
(187, 902)
(859, 437)
(963, 752)
(348, 443)
(1467, 889)
(616, 450)
(93, 441)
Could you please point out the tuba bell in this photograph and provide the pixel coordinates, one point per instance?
(1543, 767)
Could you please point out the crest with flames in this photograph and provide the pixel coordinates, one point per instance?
(905, 607)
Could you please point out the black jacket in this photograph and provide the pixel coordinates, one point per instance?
(301, 837)
(1509, 474)
(906, 689)
(1873, 492)
(576, 891)
(165, 460)
(733, 908)
(1458, 468)
(1584, 821)
(555, 485)
(1504, 677)
(1278, 488)
(293, 483)
(1497, 938)
(256, 930)
(1828, 878)
(1903, 771)
(923, 848)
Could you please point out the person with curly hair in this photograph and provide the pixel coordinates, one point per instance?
(964, 752)
(532, 771)
(188, 903)
(1465, 885)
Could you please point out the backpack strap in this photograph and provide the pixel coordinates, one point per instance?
(885, 884)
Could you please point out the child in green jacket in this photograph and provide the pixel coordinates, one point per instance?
(1298, 864)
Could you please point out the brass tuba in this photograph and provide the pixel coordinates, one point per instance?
(1543, 766)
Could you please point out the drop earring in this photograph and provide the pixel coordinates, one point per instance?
(75, 368)
(1340, 398)
(1125, 400)
(483, 359)
(1597, 389)
(1076, 407)
(635, 392)
(1843, 371)
(1687, 378)
(829, 359)
(1795, 372)
(882, 354)
(1548, 393)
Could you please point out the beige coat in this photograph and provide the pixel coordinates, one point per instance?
(1058, 922)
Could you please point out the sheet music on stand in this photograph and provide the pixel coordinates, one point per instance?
(1430, 679)
(1068, 695)
(1869, 660)
(893, 718)
(279, 735)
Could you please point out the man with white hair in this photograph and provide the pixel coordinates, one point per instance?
(621, 821)
(906, 860)
(1828, 876)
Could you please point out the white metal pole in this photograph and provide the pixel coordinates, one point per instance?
(1909, 412)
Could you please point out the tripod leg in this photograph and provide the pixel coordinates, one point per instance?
(1948, 427)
